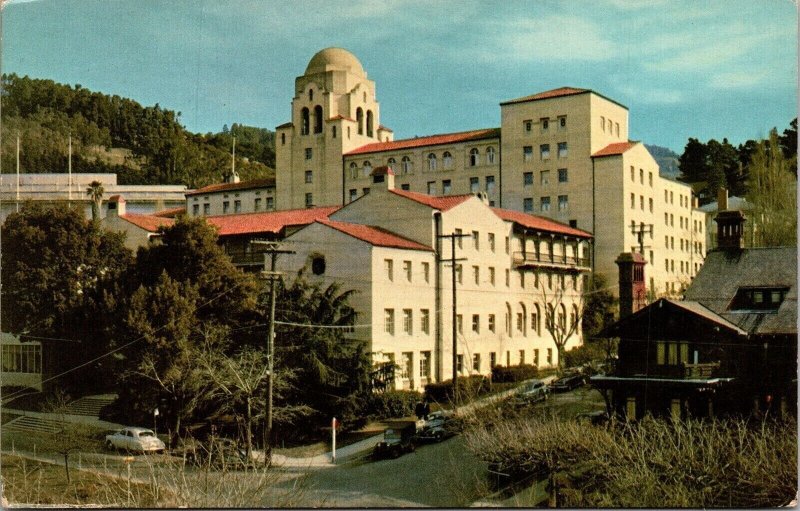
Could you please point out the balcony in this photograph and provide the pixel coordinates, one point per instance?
(240, 258)
(700, 371)
(534, 260)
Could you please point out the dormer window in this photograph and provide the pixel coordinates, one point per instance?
(758, 299)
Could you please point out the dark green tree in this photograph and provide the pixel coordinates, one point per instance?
(693, 163)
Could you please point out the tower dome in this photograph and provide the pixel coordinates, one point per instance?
(334, 59)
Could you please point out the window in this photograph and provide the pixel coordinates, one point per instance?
(476, 240)
(562, 175)
(633, 174)
(458, 233)
(237, 206)
(406, 365)
(425, 321)
(633, 201)
(491, 323)
(508, 244)
(476, 362)
(610, 125)
(333, 132)
(388, 265)
(616, 125)
(549, 356)
(671, 196)
(309, 153)
(476, 275)
(758, 298)
(527, 205)
(226, 206)
(562, 121)
(520, 321)
(309, 176)
(425, 364)
(426, 271)
(432, 162)
(545, 204)
(563, 203)
(527, 153)
(406, 165)
(317, 119)
(360, 120)
(527, 179)
(528, 125)
(206, 209)
(671, 220)
(535, 320)
(544, 151)
(544, 122)
(447, 187)
(309, 200)
(508, 278)
(460, 323)
(521, 357)
(650, 204)
(367, 168)
(492, 359)
(388, 321)
(490, 155)
(391, 163)
(562, 149)
(650, 179)
(447, 160)
(491, 241)
(353, 170)
(476, 323)
(353, 194)
(305, 123)
(489, 184)
(195, 209)
(536, 357)
(474, 157)
(270, 203)
(407, 270)
(474, 185)
(408, 321)
(491, 275)
(283, 138)
(641, 202)
(544, 177)
(460, 363)
(459, 274)
(318, 264)
(257, 204)
(602, 123)
(431, 187)
(370, 122)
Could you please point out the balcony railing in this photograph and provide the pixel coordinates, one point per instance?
(699, 371)
(559, 261)
(246, 258)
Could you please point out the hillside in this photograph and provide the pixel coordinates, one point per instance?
(142, 144)
(667, 160)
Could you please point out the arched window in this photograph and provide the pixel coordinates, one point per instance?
(354, 170)
(536, 319)
(562, 318)
(317, 119)
(447, 160)
(474, 157)
(391, 163)
(311, 94)
(283, 138)
(522, 315)
(508, 319)
(548, 317)
(360, 120)
(573, 319)
(490, 155)
(304, 123)
(432, 162)
(367, 169)
(406, 164)
(369, 123)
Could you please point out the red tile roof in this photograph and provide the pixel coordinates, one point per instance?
(244, 185)
(374, 235)
(447, 138)
(539, 223)
(614, 149)
(116, 198)
(149, 223)
(384, 128)
(441, 203)
(554, 93)
(170, 213)
(272, 222)
(284, 125)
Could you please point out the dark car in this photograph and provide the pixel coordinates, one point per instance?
(398, 438)
(568, 383)
(436, 427)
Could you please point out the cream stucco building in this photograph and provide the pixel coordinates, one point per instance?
(563, 154)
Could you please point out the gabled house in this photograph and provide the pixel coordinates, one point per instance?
(730, 347)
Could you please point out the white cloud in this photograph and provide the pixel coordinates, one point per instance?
(647, 93)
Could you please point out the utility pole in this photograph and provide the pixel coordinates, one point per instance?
(453, 261)
(272, 250)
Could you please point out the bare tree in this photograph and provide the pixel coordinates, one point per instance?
(562, 311)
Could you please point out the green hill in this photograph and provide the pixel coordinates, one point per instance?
(142, 144)
(667, 160)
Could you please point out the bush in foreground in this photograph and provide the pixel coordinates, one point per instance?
(468, 387)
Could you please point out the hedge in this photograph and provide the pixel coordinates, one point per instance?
(503, 374)
(468, 386)
(392, 404)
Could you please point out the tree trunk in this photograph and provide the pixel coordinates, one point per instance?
(248, 431)
(66, 466)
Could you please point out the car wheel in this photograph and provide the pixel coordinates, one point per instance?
(395, 453)
(439, 436)
(109, 445)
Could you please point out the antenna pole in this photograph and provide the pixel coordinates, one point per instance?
(69, 169)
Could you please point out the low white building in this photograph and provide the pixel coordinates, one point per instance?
(389, 247)
(20, 362)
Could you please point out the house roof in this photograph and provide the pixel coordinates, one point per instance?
(285, 125)
(116, 198)
(226, 187)
(725, 271)
(170, 213)
(269, 222)
(539, 223)
(340, 117)
(375, 236)
(734, 204)
(382, 127)
(409, 143)
(614, 149)
(441, 203)
(658, 307)
(558, 93)
(149, 223)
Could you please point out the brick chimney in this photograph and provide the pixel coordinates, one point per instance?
(632, 289)
(730, 230)
(722, 199)
(383, 175)
(116, 206)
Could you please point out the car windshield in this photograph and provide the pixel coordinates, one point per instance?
(145, 433)
(391, 434)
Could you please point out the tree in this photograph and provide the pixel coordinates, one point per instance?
(789, 145)
(772, 193)
(95, 193)
(558, 305)
(598, 312)
(693, 163)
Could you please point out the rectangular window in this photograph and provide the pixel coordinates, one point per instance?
(425, 364)
(309, 176)
(602, 123)
(520, 322)
(549, 356)
(562, 149)
(492, 359)
(388, 265)
(521, 357)
(460, 323)
(388, 321)
(353, 194)
(460, 363)
(660, 350)
(508, 244)
(474, 185)
(237, 206)
(309, 200)
(562, 121)
(206, 209)
(527, 205)
(633, 200)
(562, 175)
(528, 125)
(641, 176)
(405, 186)
(491, 275)
(425, 321)
(476, 323)
(544, 177)
(459, 274)
(408, 321)
(476, 240)
(527, 153)
(257, 204)
(458, 233)
(672, 353)
(544, 151)
(195, 209)
(508, 278)
(308, 153)
(545, 204)
(491, 323)
(650, 179)
(489, 184)
(536, 357)
(633, 174)
(563, 203)
(406, 365)
(446, 187)
(270, 203)
(616, 126)
(476, 275)
(476, 362)
(650, 204)
(527, 179)
(671, 197)
(426, 272)
(431, 187)
(630, 408)
(544, 122)
(407, 270)
(641, 202)
(491, 241)
(226, 206)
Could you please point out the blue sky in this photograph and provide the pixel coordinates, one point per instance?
(708, 69)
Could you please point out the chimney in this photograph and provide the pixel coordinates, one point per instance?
(632, 289)
(383, 175)
(730, 230)
(116, 206)
(722, 199)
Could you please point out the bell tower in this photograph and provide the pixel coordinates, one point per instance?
(334, 110)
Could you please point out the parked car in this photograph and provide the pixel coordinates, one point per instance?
(436, 427)
(135, 440)
(568, 383)
(398, 438)
(531, 392)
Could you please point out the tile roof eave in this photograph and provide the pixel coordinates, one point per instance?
(415, 143)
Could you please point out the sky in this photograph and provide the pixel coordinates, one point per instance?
(684, 68)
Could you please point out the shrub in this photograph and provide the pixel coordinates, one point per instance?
(583, 354)
(392, 403)
(503, 374)
(468, 387)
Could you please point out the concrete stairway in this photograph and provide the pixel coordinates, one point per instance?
(31, 424)
(90, 405)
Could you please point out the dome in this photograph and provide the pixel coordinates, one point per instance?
(337, 59)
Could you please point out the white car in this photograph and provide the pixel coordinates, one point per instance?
(136, 440)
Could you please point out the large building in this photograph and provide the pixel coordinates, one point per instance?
(563, 154)
(514, 271)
